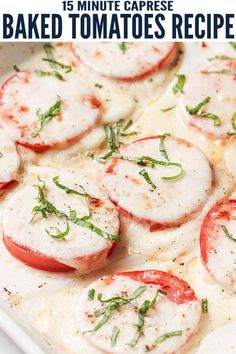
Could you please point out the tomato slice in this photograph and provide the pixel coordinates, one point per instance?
(42, 262)
(177, 289)
(211, 225)
(34, 259)
(6, 185)
(138, 68)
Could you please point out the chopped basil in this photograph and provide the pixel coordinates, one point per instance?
(162, 148)
(123, 47)
(91, 294)
(46, 208)
(113, 304)
(233, 45)
(129, 134)
(60, 234)
(162, 292)
(44, 118)
(222, 71)
(180, 84)
(87, 224)
(50, 73)
(205, 305)
(49, 49)
(197, 111)
(98, 86)
(220, 57)
(143, 310)
(150, 162)
(145, 175)
(15, 67)
(165, 336)
(1, 154)
(113, 134)
(115, 333)
(65, 67)
(233, 122)
(227, 234)
(214, 117)
(167, 109)
(67, 189)
(127, 125)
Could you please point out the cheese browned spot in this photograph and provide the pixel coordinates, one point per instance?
(25, 93)
(125, 61)
(217, 82)
(165, 316)
(9, 158)
(81, 246)
(172, 202)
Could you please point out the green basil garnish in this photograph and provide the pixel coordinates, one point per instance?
(65, 67)
(115, 333)
(197, 111)
(44, 118)
(67, 189)
(205, 305)
(178, 88)
(227, 234)
(123, 47)
(145, 175)
(91, 294)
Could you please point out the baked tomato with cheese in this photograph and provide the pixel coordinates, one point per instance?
(61, 221)
(139, 311)
(126, 61)
(42, 112)
(218, 240)
(160, 181)
(208, 100)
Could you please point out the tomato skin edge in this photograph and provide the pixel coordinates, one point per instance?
(41, 147)
(40, 261)
(177, 289)
(143, 74)
(219, 210)
(4, 186)
(153, 226)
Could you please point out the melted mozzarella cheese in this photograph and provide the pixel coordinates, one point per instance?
(51, 311)
(222, 340)
(222, 261)
(134, 60)
(81, 241)
(78, 113)
(9, 159)
(170, 203)
(220, 88)
(164, 317)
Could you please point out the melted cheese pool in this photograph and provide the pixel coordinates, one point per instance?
(46, 301)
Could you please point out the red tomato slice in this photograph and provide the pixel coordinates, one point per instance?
(68, 127)
(177, 289)
(50, 264)
(144, 70)
(6, 185)
(167, 205)
(212, 223)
